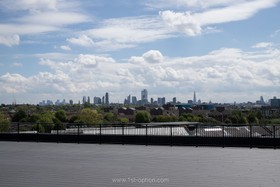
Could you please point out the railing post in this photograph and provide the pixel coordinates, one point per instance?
(123, 134)
(100, 134)
(18, 131)
(78, 133)
(196, 137)
(251, 136)
(223, 128)
(146, 134)
(274, 137)
(171, 136)
(57, 134)
(37, 136)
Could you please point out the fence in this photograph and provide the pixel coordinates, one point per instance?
(161, 134)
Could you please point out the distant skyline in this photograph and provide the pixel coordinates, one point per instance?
(226, 51)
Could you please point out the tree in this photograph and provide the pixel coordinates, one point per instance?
(4, 124)
(19, 115)
(253, 117)
(46, 120)
(110, 118)
(123, 120)
(61, 115)
(39, 128)
(191, 118)
(142, 117)
(164, 118)
(89, 116)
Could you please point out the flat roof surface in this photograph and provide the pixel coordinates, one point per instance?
(72, 165)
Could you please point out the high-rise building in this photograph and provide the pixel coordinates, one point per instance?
(107, 98)
(144, 97)
(134, 100)
(127, 101)
(194, 98)
(174, 100)
(275, 103)
(161, 101)
(84, 99)
(97, 100)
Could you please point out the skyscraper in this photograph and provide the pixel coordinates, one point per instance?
(144, 96)
(84, 99)
(107, 98)
(134, 100)
(194, 98)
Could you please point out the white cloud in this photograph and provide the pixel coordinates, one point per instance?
(82, 40)
(30, 5)
(65, 47)
(182, 22)
(9, 40)
(153, 56)
(127, 32)
(263, 45)
(192, 23)
(197, 4)
(235, 12)
(225, 73)
(57, 19)
(37, 17)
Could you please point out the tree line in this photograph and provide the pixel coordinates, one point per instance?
(47, 119)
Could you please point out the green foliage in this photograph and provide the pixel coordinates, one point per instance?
(46, 120)
(73, 119)
(164, 118)
(142, 117)
(89, 116)
(4, 124)
(39, 128)
(110, 118)
(20, 115)
(253, 117)
(191, 118)
(33, 118)
(123, 120)
(61, 115)
(58, 125)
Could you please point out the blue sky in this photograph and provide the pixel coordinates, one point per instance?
(225, 50)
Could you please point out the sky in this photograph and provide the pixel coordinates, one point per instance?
(224, 50)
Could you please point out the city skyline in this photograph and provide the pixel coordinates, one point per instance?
(144, 99)
(226, 51)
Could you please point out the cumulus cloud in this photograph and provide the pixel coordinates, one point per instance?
(182, 22)
(9, 40)
(223, 73)
(192, 23)
(82, 40)
(152, 56)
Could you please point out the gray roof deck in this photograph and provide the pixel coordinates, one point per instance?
(87, 165)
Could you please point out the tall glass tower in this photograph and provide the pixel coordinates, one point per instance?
(144, 96)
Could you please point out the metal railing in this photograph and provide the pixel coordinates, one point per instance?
(95, 133)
